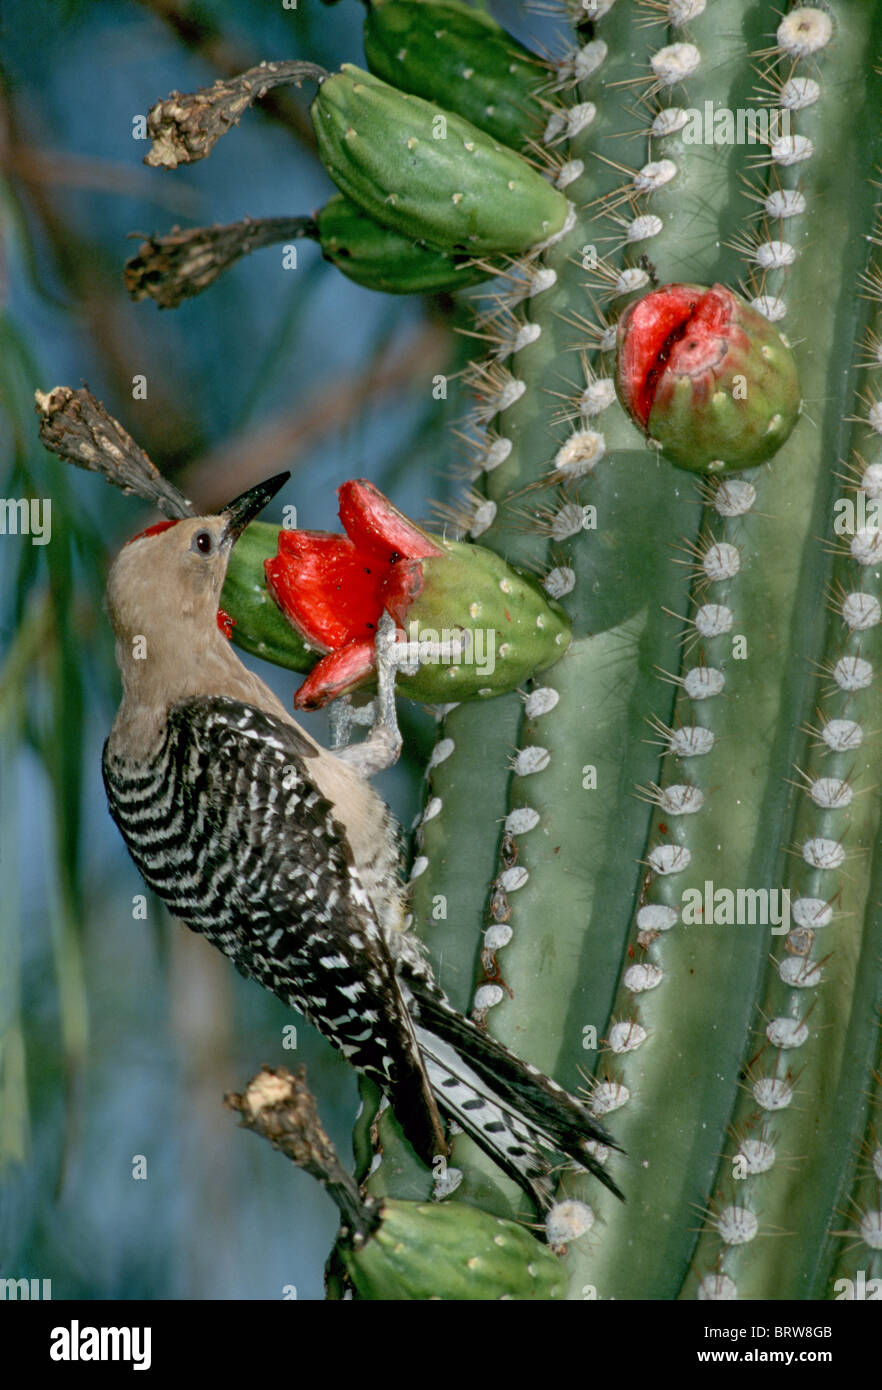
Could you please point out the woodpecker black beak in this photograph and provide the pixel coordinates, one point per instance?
(245, 508)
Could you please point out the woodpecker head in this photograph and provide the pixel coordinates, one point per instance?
(164, 586)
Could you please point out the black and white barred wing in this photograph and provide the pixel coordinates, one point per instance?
(227, 827)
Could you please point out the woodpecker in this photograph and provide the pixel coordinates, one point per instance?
(281, 853)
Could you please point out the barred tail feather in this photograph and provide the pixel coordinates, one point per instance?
(515, 1113)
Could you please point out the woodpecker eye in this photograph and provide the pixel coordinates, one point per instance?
(203, 541)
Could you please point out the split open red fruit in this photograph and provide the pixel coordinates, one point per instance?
(707, 377)
(333, 588)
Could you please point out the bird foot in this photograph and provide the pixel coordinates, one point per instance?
(382, 747)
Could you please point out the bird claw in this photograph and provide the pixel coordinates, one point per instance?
(386, 630)
(343, 715)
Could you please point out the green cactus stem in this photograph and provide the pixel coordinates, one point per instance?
(734, 1062)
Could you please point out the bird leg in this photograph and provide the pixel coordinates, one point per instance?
(382, 746)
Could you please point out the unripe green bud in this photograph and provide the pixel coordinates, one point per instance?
(449, 1250)
(428, 173)
(447, 52)
(382, 259)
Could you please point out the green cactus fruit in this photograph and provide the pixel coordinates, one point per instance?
(507, 625)
(256, 625)
(446, 52)
(451, 1251)
(427, 172)
(382, 259)
(707, 377)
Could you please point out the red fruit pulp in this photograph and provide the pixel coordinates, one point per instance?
(679, 327)
(331, 590)
(370, 520)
